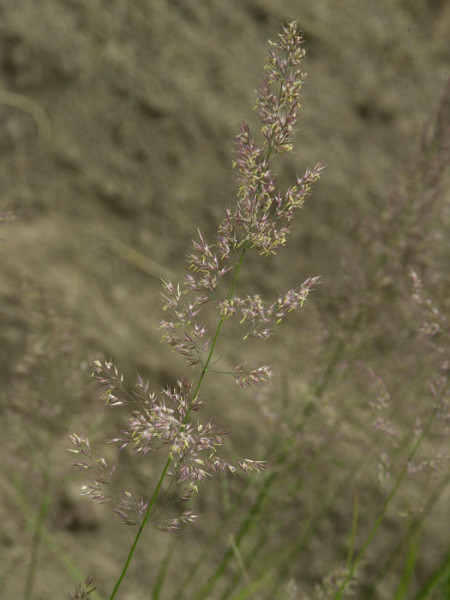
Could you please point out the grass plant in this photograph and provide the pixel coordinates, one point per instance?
(251, 567)
(259, 221)
(352, 465)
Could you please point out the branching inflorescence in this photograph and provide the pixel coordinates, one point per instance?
(259, 220)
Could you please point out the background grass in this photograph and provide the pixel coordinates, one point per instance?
(143, 101)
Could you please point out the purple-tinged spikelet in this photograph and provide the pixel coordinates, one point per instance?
(260, 220)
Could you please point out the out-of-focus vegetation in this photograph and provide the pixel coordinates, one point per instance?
(116, 129)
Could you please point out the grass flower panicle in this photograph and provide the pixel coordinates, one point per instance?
(83, 590)
(278, 111)
(259, 220)
(433, 419)
(261, 217)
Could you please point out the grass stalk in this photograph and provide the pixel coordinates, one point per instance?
(39, 526)
(351, 549)
(412, 555)
(155, 495)
(439, 579)
(264, 522)
(247, 523)
(387, 503)
(293, 552)
(164, 567)
(15, 490)
(416, 525)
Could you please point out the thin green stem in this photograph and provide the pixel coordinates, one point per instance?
(311, 525)
(141, 529)
(441, 577)
(387, 503)
(156, 593)
(15, 491)
(246, 524)
(278, 452)
(416, 525)
(39, 527)
(275, 506)
(354, 528)
(169, 460)
(412, 556)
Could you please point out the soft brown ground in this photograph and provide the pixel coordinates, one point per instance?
(117, 119)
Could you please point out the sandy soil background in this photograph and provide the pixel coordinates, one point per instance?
(117, 121)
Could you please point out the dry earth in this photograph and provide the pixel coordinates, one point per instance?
(117, 120)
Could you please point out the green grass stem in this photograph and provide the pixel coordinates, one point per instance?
(386, 505)
(439, 582)
(15, 490)
(163, 569)
(39, 526)
(155, 495)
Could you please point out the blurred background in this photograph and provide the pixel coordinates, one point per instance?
(117, 120)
